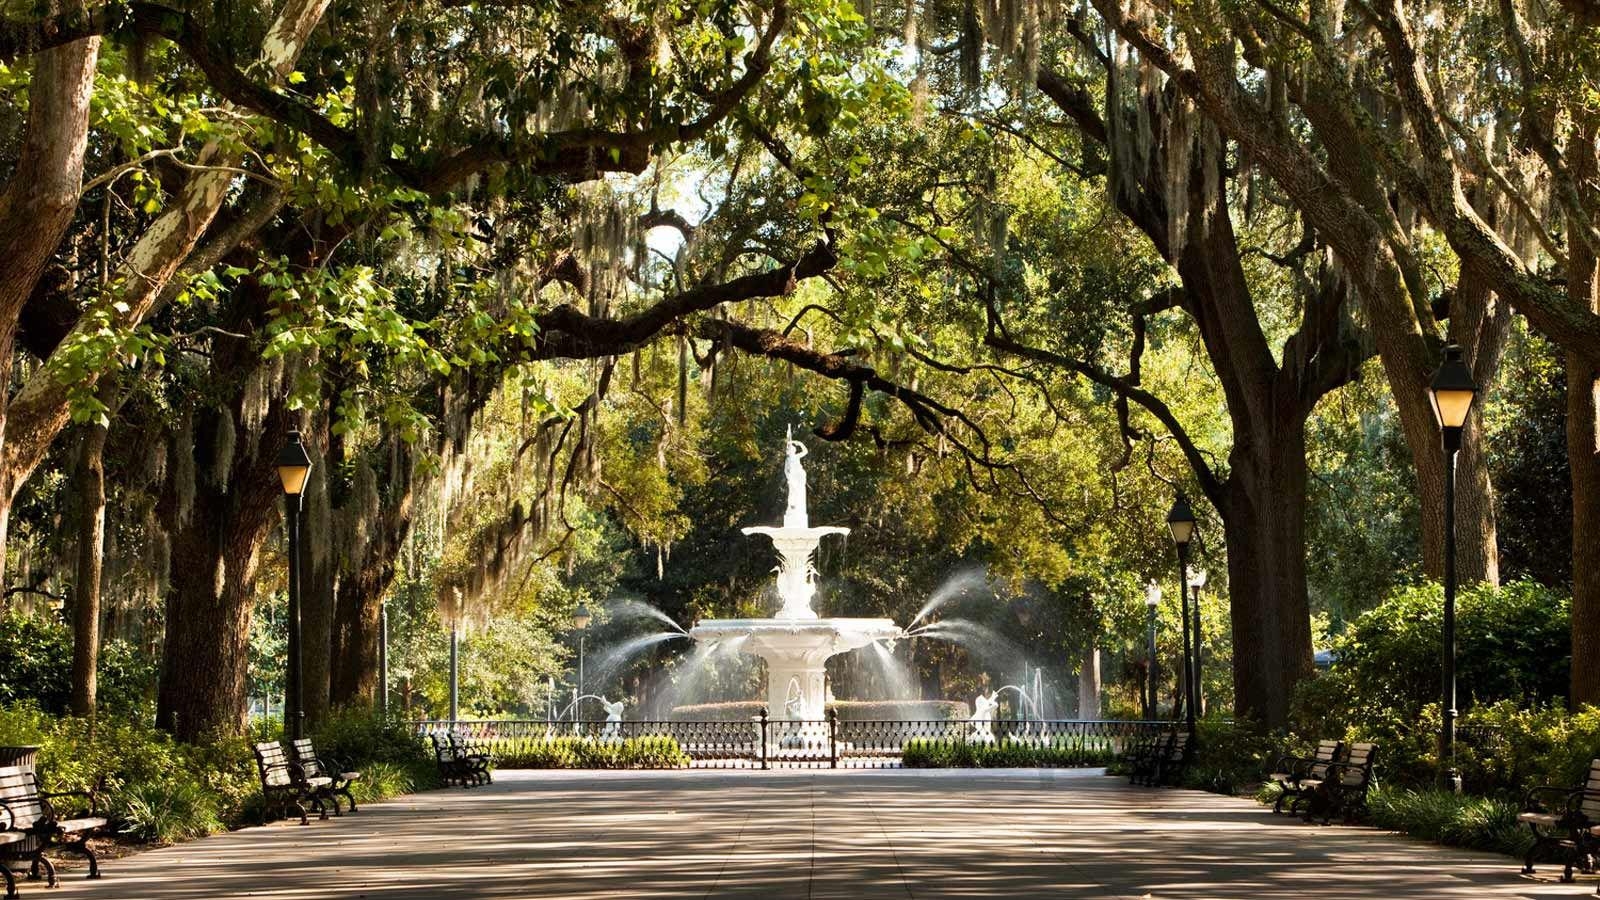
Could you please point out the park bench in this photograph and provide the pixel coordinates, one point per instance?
(1170, 764)
(1342, 790)
(459, 763)
(1144, 758)
(285, 783)
(1289, 771)
(1566, 819)
(315, 766)
(32, 824)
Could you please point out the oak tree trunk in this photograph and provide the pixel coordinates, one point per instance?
(1089, 683)
(1264, 522)
(1583, 456)
(39, 200)
(91, 483)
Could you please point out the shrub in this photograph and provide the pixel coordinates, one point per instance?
(847, 710)
(1229, 756)
(570, 752)
(1479, 823)
(36, 666)
(1502, 750)
(731, 711)
(1514, 645)
(392, 758)
(156, 789)
(168, 810)
(1006, 753)
(913, 710)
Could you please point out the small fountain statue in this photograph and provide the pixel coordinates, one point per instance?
(613, 729)
(794, 513)
(984, 707)
(794, 706)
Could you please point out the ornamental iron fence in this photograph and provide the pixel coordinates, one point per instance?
(769, 743)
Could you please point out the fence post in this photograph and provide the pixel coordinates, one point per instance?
(833, 738)
(763, 737)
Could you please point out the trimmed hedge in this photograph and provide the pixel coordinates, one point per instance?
(655, 752)
(848, 711)
(1007, 753)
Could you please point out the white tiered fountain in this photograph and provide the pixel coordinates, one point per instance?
(796, 643)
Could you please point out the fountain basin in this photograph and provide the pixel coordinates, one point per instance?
(796, 651)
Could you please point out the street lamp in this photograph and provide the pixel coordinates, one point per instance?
(580, 621)
(1180, 521)
(383, 658)
(455, 659)
(1152, 599)
(294, 464)
(1451, 393)
(1197, 580)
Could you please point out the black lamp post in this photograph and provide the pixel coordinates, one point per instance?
(1152, 600)
(1180, 521)
(1452, 393)
(1197, 580)
(383, 658)
(455, 660)
(580, 621)
(294, 464)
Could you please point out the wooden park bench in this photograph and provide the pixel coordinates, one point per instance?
(340, 777)
(1289, 771)
(285, 783)
(459, 763)
(1342, 790)
(1170, 765)
(1144, 758)
(1564, 819)
(30, 824)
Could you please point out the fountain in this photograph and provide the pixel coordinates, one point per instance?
(796, 643)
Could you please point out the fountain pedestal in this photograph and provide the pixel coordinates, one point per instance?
(796, 651)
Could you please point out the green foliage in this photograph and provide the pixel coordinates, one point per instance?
(1503, 749)
(1229, 755)
(1513, 645)
(169, 810)
(36, 666)
(155, 789)
(1007, 753)
(653, 752)
(848, 710)
(1479, 823)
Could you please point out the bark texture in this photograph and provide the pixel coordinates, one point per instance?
(1583, 455)
(1089, 683)
(38, 201)
(91, 561)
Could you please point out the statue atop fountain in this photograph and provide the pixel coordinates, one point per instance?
(794, 511)
(795, 642)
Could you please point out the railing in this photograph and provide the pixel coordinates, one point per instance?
(765, 743)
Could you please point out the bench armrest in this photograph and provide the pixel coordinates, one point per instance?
(89, 795)
(1297, 765)
(7, 818)
(1336, 773)
(1577, 799)
(1531, 802)
(332, 766)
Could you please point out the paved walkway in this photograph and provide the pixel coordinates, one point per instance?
(774, 835)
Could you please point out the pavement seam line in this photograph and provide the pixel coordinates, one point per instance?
(811, 873)
(731, 851)
(904, 881)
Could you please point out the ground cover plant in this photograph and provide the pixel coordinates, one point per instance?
(157, 789)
